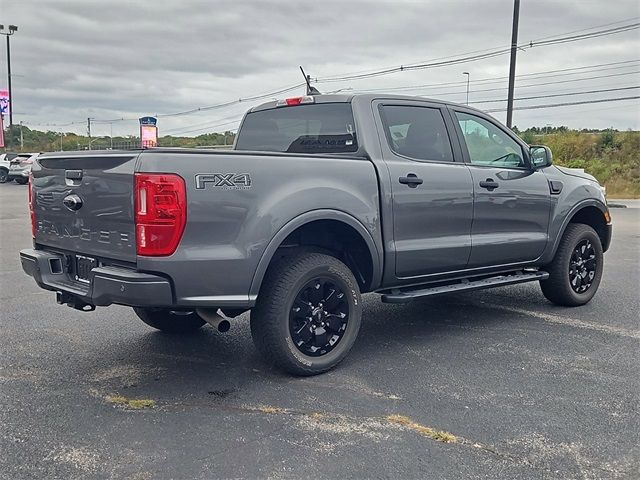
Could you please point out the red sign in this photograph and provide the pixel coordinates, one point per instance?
(148, 136)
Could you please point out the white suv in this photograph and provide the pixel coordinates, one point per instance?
(5, 164)
(20, 167)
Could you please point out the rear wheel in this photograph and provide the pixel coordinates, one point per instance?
(4, 175)
(170, 321)
(308, 313)
(576, 269)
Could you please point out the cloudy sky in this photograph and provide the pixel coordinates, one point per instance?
(114, 59)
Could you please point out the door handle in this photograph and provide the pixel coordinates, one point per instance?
(411, 179)
(490, 184)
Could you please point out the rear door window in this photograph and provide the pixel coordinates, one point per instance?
(314, 128)
(417, 132)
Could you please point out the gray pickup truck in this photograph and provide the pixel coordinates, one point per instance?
(322, 199)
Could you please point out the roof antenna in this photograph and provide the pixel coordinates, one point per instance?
(307, 78)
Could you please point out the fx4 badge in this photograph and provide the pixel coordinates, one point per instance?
(225, 181)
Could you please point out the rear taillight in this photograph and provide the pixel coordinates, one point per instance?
(32, 213)
(160, 213)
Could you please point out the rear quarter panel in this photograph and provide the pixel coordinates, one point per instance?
(228, 228)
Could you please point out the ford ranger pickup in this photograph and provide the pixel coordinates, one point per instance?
(322, 199)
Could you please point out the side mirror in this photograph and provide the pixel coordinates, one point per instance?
(540, 155)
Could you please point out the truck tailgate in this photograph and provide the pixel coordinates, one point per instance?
(83, 203)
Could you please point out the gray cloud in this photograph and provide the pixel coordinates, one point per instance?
(121, 59)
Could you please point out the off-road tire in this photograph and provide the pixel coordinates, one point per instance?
(4, 175)
(557, 288)
(270, 318)
(167, 321)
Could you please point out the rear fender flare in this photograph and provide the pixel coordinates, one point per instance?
(303, 219)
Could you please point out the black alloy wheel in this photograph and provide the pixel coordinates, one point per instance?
(583, 266)
(319, 317)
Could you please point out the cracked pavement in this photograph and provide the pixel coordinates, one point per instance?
(528, 389)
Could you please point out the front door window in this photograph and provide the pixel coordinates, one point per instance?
(489, 145)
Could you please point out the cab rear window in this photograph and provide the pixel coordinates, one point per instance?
(315, 128)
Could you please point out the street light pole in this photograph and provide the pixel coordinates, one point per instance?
(12, 29)
(89, 130)
(468, 78)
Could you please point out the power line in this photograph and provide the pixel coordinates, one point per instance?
(574, 38)
(591, 28)
(229, 103)
(406, 68)
(541, 74)
(231, 122)
(234, 102)
(200, 124)
(55, 124)
(565, 104)
(567, 94)
(556, 82)
(487, 54)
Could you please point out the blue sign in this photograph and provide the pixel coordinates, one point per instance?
(148, 120)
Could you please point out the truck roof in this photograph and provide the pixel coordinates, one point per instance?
(348, 97)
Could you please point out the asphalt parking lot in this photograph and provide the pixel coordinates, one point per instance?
(529, 390)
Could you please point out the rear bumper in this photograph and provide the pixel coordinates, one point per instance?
(106, 284)
(20, 172)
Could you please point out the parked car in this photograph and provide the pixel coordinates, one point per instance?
(5, 163)
(322, 199)
(20, 167)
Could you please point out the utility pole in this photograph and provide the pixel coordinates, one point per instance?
(89, 130)
(12, 29)
(512, 62)
(468, 78)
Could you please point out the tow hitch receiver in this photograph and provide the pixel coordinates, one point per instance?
(73, 301)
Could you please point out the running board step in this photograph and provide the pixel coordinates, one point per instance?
(406, 295)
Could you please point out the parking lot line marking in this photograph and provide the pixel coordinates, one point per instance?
(572, 322)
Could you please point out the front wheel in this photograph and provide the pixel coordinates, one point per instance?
(22, 181)
(576, 269)
(308, 313)
(170, 321)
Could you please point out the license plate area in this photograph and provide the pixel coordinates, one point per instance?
(82, 267)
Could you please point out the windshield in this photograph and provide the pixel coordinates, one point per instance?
(314, 128)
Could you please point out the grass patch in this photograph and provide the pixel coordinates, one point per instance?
(439, 435)
(271, 410)
(135, 404)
